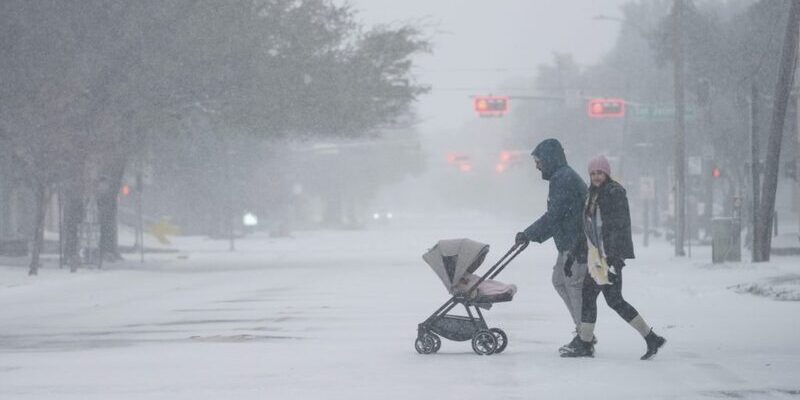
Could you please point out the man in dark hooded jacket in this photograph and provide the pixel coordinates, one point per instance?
(562, 222)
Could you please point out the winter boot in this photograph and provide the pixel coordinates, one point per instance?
(654, 342)
(572, 343)
(578, 348)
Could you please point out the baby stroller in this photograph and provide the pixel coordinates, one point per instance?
(455, 262)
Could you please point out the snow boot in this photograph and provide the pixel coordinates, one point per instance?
(578, 348)
(654, 342)
(575, 339)
(569, 345)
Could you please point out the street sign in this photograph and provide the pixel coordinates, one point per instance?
(656, 112)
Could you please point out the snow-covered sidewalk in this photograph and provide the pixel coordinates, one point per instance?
(333, 315)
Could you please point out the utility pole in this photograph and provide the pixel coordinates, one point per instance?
(680, 127)
(796, 201)
(754, 169)
(781, 103)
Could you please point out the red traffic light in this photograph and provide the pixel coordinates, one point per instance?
(606, 108)
(716, 173)
(457, 158)
(490, 106)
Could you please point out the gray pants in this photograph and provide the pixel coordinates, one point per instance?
(570, 288)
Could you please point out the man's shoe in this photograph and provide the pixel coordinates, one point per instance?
(572, 343)
(569, 345)
(578, 349)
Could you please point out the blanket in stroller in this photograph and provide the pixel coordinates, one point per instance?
(489, 291)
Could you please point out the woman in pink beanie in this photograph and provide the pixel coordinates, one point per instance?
(607, 225)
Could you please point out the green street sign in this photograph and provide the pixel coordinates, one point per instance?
(656, 113)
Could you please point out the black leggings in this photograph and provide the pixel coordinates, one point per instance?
(612, 294)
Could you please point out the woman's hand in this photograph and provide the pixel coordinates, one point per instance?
(568, 265)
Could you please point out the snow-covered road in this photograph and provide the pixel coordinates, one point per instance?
(333, 315)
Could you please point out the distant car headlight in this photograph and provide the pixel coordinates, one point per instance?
(250, 220)
(376, 216)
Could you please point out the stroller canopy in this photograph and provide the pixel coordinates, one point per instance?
(452, 259)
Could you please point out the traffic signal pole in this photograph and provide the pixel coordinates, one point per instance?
(680, 127)
(796, 201)
(755, 179)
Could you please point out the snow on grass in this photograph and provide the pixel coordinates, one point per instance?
(784, 288)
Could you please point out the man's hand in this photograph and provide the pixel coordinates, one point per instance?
(521, 239)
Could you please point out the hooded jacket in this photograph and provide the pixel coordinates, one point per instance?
(563, 219)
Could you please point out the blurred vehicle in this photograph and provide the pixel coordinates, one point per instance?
(382, 217)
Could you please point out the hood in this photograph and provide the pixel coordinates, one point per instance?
(452, 259)
(551, 154)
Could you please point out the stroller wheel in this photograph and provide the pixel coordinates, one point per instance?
(502, 339)
(484, 342)
(425, 344)
(437, 342)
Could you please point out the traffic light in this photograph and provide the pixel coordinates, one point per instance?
(457, 158)
(490, 106)
(461, 161)
(606, 108)
(509, 158)
(716, 172)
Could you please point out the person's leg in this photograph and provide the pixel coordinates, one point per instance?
(614, 299)
(613, 296)
(583, 344)
(574, 286)
(589, 308)
(560, 283)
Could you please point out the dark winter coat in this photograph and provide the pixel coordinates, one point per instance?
(612, 200)
(563, 219)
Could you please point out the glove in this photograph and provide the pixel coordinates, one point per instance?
(568, 265)
(613, 277)
(615, 262)
(521, 239)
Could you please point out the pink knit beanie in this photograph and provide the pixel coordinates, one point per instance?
(600, 163)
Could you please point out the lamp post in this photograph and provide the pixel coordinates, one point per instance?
(680, 127)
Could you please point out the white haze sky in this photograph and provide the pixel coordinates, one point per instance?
(473, 36)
